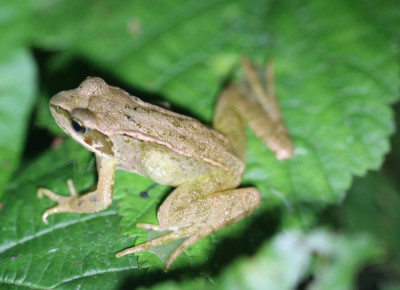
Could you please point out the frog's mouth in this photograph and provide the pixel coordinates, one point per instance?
(92, 139)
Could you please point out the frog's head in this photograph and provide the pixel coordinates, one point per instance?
(71, 110)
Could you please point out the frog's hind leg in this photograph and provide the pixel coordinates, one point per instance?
(203, 217)
(240, 204)
(255, 104)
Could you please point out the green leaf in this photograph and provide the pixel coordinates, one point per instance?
(336, 78)
(283, 263)
(16, 101)
(327, 82)
(17, 85)
(15, 25)
(332, 90)
(70, 252)
(332, 259)
(373, 208)
(333, 77)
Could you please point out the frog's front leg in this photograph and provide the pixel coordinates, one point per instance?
(191, 213)
(90, 202)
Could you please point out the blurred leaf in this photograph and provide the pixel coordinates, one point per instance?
(17, 85)
(15, 25)
(17, 96)
(332, 260)
(391, 286)
(383, 14)
(340, 258)
(372, 207)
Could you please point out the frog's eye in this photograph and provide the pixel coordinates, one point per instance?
(78, 126)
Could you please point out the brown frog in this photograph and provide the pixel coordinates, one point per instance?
(204, 164)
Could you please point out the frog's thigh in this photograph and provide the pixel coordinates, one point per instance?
(214, 211)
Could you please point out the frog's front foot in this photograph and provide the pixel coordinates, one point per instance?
(63, 201)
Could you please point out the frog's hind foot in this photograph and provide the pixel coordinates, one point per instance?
(190, 234)
(260, 108)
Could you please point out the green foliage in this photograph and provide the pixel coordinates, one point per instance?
(336, 77)
(331, 259)
(334, 261)
(16, 102)
(70, 251)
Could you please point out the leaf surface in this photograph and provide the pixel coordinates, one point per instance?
(336, 78)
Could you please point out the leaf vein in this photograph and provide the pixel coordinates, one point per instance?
(61, 225)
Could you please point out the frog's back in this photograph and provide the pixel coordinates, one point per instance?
(149, 123)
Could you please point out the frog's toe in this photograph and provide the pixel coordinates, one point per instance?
(49, 212)
(128, 251)
(145, 246)
(45, 215)
(63, 206)
(53, 196)
(41, 192)
(62, 201)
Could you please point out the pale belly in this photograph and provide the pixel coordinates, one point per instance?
(158, 162)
